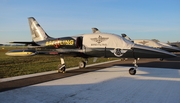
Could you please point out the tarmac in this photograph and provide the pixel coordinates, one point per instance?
(156, 81)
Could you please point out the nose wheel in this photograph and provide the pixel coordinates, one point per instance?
(132, 71)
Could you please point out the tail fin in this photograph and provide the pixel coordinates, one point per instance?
(37, 32)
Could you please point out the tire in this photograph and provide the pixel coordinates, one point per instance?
(132, 71)
(82, 64)
(61, 69)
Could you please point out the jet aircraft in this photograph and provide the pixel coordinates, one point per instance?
(153, 44)
(96, 44)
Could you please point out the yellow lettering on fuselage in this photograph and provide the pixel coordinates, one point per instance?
(60, 42)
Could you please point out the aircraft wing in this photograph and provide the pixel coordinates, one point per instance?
(26, 43)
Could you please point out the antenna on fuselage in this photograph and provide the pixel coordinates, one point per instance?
(95, 30)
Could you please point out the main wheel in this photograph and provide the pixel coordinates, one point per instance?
(132, 71)
(61, 68)
(82, 64)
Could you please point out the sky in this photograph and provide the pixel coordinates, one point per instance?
(139, 19)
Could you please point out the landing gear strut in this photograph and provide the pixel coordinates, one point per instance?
(161, 59)
(82, 64)
(62, 66)
(132, 71)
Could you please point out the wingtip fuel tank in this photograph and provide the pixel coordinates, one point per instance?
(26, 52)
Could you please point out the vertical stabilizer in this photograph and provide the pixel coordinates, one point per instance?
(37, 32)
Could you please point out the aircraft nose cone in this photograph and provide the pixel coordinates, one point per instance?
(141, 51)
(171, 49)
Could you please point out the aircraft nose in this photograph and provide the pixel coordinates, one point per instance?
(140, 51)
(171, 49)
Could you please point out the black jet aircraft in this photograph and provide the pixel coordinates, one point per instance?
(96, 44)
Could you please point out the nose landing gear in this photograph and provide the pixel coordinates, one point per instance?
(132, 71)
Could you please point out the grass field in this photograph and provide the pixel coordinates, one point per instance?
(15, 66)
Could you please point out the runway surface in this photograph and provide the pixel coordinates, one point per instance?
(109, 85)
(155, 81)
(17, 82)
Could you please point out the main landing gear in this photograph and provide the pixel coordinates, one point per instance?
(132, 71)
(62, 66)
(82, 64)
